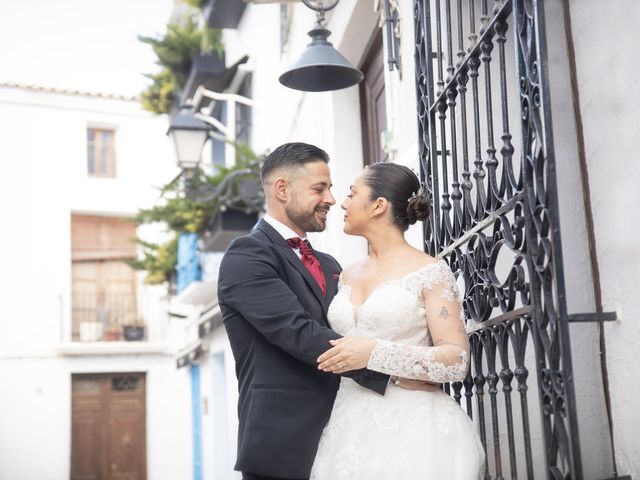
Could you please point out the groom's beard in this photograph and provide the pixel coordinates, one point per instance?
(315, 221)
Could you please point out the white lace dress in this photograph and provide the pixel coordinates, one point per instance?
(405, 434)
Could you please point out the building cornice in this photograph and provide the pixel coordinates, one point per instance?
(66, 91)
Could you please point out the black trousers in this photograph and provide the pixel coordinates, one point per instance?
(253, 476)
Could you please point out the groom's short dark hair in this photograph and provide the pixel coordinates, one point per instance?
(295, 154)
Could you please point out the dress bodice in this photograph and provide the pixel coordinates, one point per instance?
(394, 310)
(394, 314)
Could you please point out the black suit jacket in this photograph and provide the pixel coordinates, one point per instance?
(276, 318)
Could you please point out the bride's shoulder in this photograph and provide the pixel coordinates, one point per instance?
(430, 270)
(435, 278)
(424, 261)
(350, 271)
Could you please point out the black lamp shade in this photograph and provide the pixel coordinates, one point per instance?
(321, 67)
(188, 135)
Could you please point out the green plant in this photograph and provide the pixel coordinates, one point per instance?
(185, 212)
(190, 202)
(195, 3)
(176, 50)
(158, 97)
(158, 260)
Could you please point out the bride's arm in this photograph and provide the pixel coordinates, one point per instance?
(446, 361)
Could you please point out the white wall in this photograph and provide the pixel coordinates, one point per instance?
(219, 392)
(36, 411)
(610, 110)
(592, 421)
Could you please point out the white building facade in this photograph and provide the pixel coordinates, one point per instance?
(54, 350)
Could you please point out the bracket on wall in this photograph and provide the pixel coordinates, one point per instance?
(593, 317)
(390, 18)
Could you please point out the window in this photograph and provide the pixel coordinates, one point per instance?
(101, 152)
(103, 286)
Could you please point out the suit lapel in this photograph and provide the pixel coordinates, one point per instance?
(293, 259)
(329, 281)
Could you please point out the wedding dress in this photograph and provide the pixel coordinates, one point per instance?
(405, 434)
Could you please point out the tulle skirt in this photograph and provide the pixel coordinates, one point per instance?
(403, 435)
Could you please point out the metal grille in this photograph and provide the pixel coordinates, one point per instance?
(487, 160)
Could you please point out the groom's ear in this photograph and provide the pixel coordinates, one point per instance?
(281, 189)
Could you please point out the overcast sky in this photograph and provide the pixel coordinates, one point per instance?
(80, 44)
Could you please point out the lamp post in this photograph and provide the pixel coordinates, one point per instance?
(188, 135)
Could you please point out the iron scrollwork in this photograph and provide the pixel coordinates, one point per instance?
(503, 239)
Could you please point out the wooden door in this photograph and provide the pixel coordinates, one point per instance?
(373, 103)
(108, 427)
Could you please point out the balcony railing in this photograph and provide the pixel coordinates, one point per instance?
(106, 318)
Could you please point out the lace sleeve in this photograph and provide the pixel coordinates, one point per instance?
(448, 359)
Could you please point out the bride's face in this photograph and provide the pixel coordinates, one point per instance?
(357, 207)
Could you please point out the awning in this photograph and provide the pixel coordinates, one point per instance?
(211, 76)
(190, 354)
(210, 320)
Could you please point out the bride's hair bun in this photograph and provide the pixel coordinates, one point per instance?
(401, 187)
(418, 208)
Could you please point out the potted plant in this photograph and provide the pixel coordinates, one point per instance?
(133, 328)
(176, 50)
(113, 334)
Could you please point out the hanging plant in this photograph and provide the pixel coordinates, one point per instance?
(158, 97)
(190, 202)
(176, 50)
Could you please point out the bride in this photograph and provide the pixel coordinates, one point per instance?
(399, 311)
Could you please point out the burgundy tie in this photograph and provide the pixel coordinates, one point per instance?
(309, 261)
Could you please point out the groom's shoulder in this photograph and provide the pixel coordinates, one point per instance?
(330, 259)
(254, 240)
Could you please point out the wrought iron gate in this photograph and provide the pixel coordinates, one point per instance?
(495, 219)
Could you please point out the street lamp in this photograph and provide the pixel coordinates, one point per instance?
(188, 135)
(321, 67)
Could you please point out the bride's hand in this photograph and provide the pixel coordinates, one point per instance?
(347, 353)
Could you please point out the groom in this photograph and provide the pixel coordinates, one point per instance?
(274, 291)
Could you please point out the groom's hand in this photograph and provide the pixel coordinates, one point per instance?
(347, 353)
(410, 384)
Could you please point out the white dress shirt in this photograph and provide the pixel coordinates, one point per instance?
(283, 230)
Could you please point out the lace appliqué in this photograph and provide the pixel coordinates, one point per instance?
(447, 363)
(420, 363)
(431, 275)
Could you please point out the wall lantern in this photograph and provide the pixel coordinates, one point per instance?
(188, 135)
(321, 67)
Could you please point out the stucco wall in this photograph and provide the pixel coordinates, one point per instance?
(591, 411)
(606, 42)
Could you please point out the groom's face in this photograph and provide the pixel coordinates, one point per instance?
(310, 197)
